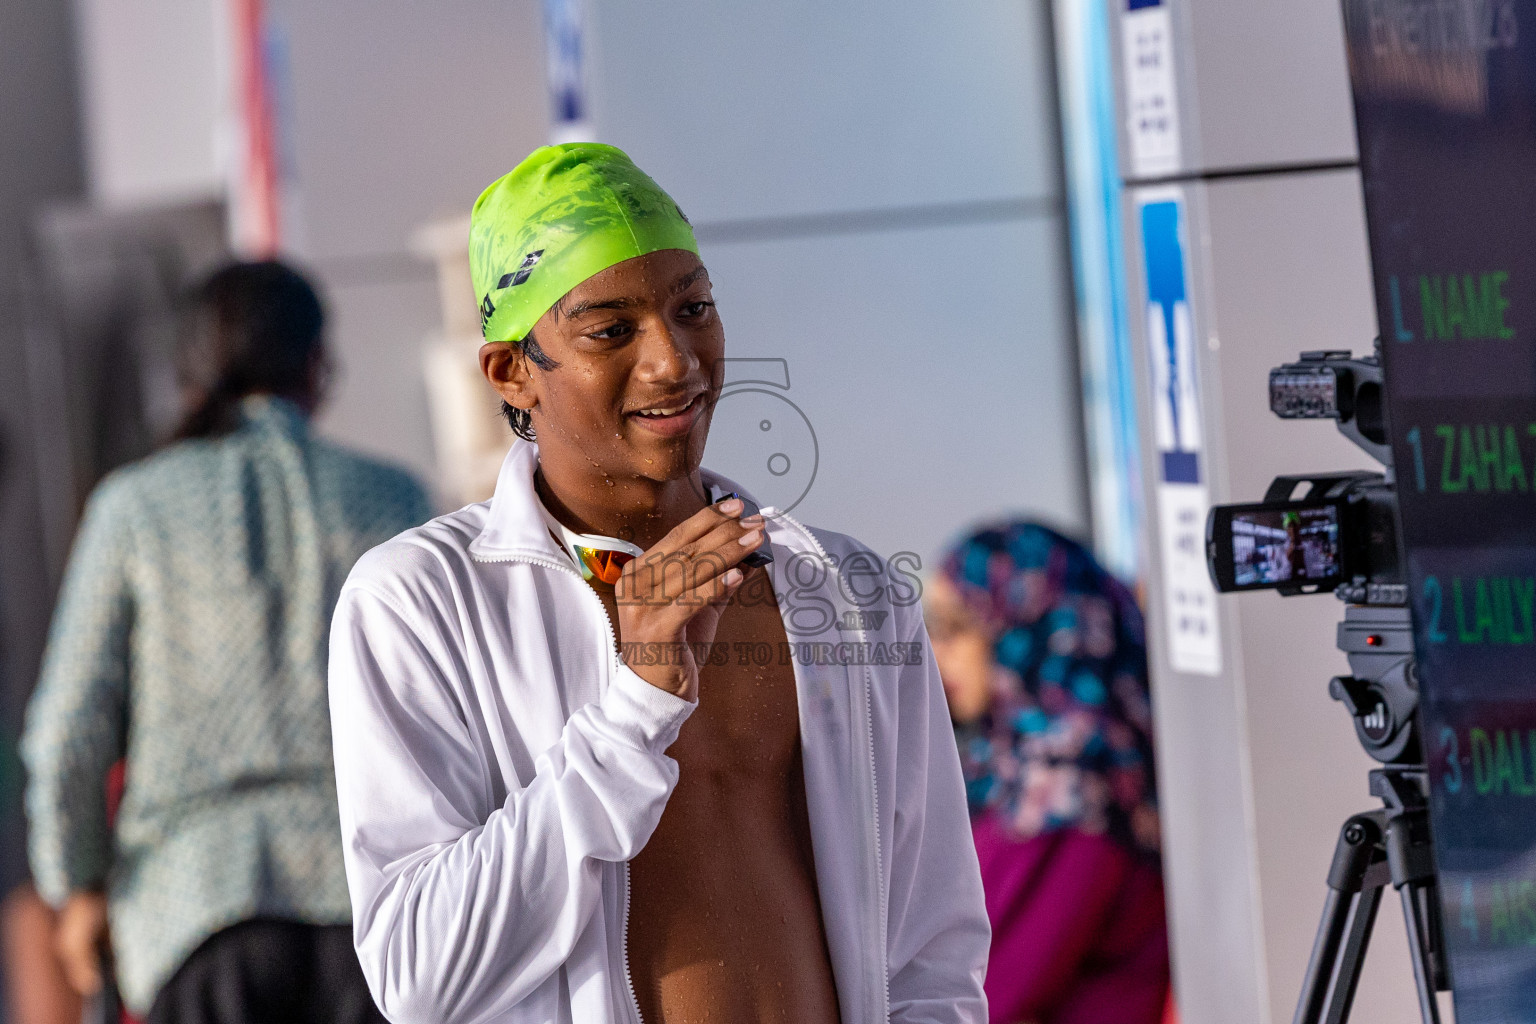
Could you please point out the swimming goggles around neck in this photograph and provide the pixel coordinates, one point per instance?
(604, 558)
(597, 557)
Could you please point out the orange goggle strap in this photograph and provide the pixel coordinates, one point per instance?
(598, 557)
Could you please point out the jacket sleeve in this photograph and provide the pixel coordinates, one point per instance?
(462, 908)
(937, 930)
(77, 719)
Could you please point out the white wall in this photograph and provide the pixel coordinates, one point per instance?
(879, 201)
(152, 76)
(402, 113)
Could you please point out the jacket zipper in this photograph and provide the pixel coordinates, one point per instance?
(629, 980)
(613, 643)
(874, 789)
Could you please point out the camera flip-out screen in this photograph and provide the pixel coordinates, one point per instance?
(1255, 547)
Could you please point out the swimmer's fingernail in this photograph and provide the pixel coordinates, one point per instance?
(734, 577)
(731, 506)
(752, 539)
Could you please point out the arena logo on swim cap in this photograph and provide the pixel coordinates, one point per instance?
(524, 269)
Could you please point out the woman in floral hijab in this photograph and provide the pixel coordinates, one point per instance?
(1044, 663)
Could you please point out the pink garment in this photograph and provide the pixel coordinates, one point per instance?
(1078, 930)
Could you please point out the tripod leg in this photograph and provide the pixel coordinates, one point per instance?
(1413, 873)
(1341, 997)
(1333, 973)
(1418, 915)
(1323, 963)
(1354, 893)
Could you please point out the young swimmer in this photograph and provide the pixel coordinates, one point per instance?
(571, 788)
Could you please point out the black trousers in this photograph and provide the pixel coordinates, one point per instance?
(269, 972)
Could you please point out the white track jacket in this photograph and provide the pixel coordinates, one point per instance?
(498, 767)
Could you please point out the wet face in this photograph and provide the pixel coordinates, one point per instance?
(962, 646)
(629, 395)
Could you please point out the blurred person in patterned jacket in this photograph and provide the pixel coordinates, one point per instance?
(1043, 657)
(190, 643)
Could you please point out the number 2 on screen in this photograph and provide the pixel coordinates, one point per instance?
(1434, 595)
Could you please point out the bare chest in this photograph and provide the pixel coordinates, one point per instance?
(746, 727)
(726, 922)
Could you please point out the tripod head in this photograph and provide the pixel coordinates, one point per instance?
(1382, 691)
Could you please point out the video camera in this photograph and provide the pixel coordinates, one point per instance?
(1322, 532)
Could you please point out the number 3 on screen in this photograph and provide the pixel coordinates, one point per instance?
(1452, 778)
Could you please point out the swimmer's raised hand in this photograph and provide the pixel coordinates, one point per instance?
(670, 598)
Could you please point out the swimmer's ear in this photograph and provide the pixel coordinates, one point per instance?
(507, 368)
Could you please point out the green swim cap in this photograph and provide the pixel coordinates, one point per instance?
(563, 214)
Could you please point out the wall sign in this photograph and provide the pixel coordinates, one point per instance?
(1189, 600)
(1152, 106)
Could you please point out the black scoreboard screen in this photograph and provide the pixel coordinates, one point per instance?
(1445, 103)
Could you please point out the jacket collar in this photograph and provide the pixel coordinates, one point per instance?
(273, 412)
(515, 527)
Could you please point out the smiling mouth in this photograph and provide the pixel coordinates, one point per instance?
(673, 420)
(662, 412)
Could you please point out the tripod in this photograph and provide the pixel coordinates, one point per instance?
(1374, 848)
